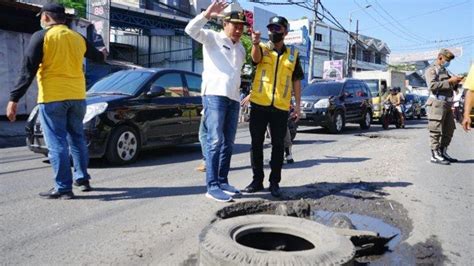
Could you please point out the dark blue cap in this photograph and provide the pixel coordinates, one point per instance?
(277, 20)
(53, 8)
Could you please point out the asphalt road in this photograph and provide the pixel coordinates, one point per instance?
(151, 212)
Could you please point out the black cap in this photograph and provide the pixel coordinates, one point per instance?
(236, 17)
(277, 20)
(52, 7)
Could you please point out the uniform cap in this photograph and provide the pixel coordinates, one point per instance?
(236, 17)
(52, 7)
(277, 20)
(446, 53)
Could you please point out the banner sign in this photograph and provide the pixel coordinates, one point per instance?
(333, 69)
(98, 12)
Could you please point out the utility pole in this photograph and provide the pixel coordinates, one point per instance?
(312, 38)
(355, 47)
(349, 42)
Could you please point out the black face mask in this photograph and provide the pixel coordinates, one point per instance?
(275, 37)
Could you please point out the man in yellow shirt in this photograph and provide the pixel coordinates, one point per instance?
(469, 99)
(55, 55)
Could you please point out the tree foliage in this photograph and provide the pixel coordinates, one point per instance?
(403, 67)
(79, 5)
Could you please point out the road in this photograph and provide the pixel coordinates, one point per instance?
(151, 212)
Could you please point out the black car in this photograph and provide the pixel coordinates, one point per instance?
(132, 110)
(412, 106)
(424, 108)
(332, 104)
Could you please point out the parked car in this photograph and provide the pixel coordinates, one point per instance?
(412, 106)
(332, 104)
(132, 110)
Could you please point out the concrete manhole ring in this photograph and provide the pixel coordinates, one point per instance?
(272, 240)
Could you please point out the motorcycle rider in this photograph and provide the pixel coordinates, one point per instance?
(396, 98)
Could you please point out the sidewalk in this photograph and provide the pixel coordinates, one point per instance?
(12, 134)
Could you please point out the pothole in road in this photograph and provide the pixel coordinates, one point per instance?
(371, 236)
(359, 207)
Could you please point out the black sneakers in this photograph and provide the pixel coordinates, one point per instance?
(54, 194)
(253, 187)
(83, 185)
(275, 190)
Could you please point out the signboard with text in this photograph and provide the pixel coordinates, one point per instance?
(98, 12)
(333, 69)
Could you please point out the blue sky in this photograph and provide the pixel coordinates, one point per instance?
(405, 25)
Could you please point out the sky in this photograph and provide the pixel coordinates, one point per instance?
(405, 25)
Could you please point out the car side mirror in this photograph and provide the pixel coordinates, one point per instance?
(155, 91)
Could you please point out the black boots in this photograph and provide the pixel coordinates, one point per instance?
(437, 157)
(446, 156)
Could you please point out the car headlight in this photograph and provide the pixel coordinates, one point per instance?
(323, 103)
(94, 110)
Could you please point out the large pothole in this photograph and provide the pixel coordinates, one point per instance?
(358, 206)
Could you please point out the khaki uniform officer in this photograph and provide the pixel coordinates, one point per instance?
(440, 116)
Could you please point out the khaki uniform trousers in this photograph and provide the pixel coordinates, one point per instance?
(440, 123)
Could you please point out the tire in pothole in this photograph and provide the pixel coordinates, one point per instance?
(272, 240)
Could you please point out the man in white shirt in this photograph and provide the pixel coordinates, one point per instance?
(224, 56)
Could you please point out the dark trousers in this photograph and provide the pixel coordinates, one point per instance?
(260, 117)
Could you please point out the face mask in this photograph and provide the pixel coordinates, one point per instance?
(275, 37)
(43, 26)
(446, 64)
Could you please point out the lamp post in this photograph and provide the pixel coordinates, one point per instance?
(349, 41)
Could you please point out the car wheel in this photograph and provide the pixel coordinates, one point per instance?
(337, 124)
(124, 146)
(272, 240)
(366, 120)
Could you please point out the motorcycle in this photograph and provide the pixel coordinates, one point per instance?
(390, 116)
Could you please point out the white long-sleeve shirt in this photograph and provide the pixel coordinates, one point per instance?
(223, 60)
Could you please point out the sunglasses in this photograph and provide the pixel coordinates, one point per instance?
(274, 28)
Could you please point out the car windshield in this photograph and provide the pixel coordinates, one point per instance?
(323, 89)
(125, 82)
(373, 85)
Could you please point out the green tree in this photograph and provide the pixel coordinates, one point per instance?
(79, 5)
(403, 67)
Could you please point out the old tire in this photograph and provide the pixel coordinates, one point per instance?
(337, 123)
(124, 146)
(218, 242)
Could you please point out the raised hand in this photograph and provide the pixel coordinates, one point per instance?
(215, 8)
(256, 37)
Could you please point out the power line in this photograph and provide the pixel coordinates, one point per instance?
(388, 29)
(436, 41)
(462, 43)
(420, 15)
(397, 24)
